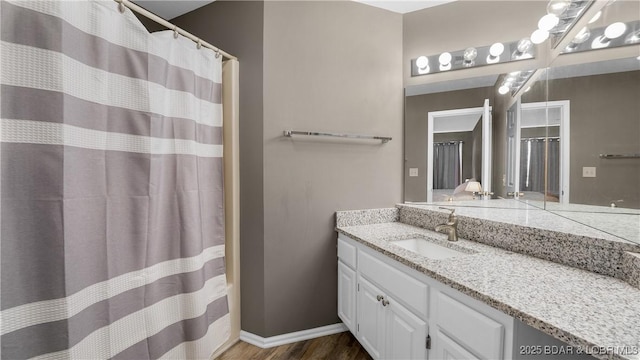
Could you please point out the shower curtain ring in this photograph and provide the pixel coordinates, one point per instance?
(217, 53)
(175, 32)
(121, 7)
(199, 46)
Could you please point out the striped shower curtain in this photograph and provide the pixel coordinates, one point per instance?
(112, 224)
(447, 164)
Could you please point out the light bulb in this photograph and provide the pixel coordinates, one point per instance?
(633, 37)
(557, 7)
(582, 36)
(524, 45)
(445, 61)
(445, 58)
(470, 54)
(422, 62)
(615, 30)
(522, 50)
(539, 36)
(425, 70)
(503, 89)
(548, 22)
(496, 49)
(595, 17)
(600, 42)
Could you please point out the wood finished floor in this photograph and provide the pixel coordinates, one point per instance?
(341, 346)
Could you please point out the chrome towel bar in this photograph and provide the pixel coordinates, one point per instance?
(290, 133)
(620, 156)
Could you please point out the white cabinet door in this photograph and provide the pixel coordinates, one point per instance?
(371, 322)
(447, 349)
(469, 327)
(406, 334)
(347, 296)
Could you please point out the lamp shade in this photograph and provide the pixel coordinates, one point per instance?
(473, 186)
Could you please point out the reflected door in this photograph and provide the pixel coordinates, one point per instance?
(468, 130)
(487, 130)
(513, 149)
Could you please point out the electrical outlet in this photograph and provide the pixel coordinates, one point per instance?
(413, 171)
(588, 171)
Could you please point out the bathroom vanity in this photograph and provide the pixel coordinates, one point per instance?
(405, 292)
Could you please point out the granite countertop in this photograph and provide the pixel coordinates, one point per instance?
(582, 308)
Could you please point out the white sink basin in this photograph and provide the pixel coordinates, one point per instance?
(428, 248)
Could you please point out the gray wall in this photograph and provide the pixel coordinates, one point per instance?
(552, 131)
(476, 151)
(329, 66)
(415, 131)
(237, 27)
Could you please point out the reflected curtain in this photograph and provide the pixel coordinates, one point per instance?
(532, 165)
(112, 197)
(553, 167)
(447, 164)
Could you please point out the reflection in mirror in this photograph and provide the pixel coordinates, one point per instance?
(605, 120)
(538, 137)
(459, 154)
(457, 140)
(456, 115)
(579, 114)
(544, 145)
(605, 114)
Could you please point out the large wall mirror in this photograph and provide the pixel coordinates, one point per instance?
(567, 142)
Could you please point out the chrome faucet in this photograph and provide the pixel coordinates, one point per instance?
(451, 227)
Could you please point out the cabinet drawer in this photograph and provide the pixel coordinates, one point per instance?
(405, 288)
(475, 331)
(346, 252)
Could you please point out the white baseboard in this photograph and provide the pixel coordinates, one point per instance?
(289, 338)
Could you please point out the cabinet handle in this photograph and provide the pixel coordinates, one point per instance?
(385, 302)
(380, 297)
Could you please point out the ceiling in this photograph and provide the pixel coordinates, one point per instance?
(170, 9)
(404, 6)
(456, 123)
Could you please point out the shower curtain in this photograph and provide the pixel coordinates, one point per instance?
(532, 168)
(447, 165)
(112, 223)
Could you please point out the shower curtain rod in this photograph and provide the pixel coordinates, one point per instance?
(151, 16)
(541, 138)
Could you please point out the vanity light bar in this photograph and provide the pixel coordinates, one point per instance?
(512, 82)
(497, 53)
(567, 19)
(593, 39)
